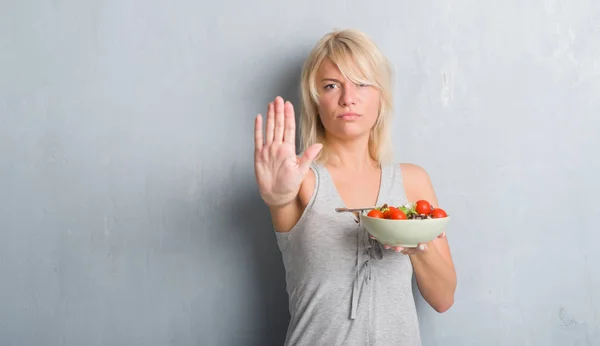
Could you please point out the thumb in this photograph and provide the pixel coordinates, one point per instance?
(309, 156)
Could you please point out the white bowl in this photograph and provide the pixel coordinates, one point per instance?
(405, 233)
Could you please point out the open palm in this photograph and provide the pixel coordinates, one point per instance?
(279, 171)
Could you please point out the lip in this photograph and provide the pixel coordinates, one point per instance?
(349, 115)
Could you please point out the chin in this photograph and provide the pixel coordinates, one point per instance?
(350, 132)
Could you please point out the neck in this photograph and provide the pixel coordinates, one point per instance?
(350, 154)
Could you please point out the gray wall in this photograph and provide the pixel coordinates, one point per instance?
(128, 209)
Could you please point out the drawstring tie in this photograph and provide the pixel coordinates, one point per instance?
(367, 249)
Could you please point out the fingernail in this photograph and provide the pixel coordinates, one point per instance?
(386, 247)
(398, 249)
(422, 247)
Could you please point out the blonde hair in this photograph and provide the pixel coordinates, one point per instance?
(361, 61)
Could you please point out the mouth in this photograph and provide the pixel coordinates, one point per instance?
(349, 116)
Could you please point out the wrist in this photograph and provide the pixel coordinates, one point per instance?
(278, 202)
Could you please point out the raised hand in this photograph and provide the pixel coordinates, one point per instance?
(279, 171)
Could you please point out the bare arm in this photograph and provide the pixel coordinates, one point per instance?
(434, 268)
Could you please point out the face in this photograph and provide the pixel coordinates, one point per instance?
(346, 110)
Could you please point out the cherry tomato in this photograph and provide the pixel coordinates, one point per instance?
(386, 214)
(438, 213)
(423, 207)
(396, 214)
(375, 213)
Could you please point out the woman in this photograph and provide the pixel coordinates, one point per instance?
(345, 288)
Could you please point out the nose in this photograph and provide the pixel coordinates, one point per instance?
(348, 97)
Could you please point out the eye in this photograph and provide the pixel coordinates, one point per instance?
(330, 86)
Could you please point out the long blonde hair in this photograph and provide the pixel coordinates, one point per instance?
(361, 61)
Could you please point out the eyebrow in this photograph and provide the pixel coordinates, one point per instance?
(330, 79)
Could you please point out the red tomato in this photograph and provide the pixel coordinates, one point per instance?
(423, 207)
(386, 214)
(396, 214)
(375, 213)
(438, 213)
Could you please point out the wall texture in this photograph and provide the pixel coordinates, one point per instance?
(128, 209)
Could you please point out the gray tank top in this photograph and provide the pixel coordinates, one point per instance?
(343, 287)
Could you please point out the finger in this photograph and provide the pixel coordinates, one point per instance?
(309, 156)
(279, 120)
(290, 124)
(270, 124)
(258, 133)
(398, 248)
(409, 251)
(387, 247)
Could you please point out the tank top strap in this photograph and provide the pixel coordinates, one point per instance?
(326, 178)
(396, 193)
(385, 185)
(318, 182)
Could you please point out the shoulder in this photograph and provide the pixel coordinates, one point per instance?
(417, 183)
(414, 173)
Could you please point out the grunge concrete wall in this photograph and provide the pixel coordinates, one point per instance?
(128, 209)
